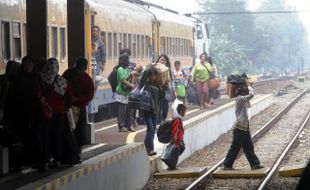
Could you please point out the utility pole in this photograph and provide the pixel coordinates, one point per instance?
(302, 60)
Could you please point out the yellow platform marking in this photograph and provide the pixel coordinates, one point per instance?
(181, 172)
(241, 173)
(131, 136)
(292, 171)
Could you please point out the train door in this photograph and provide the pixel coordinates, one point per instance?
(89, 23)
(155, 40)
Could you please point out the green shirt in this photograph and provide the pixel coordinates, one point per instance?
(200, 72)
(122, 74)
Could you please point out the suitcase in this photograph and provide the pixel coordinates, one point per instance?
(140, 100)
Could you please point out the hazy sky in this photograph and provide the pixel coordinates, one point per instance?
(189, 6)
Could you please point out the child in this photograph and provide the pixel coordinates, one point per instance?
(241, 132)
(135, 74)
(157, 94)
(176, 146)
(180, 81)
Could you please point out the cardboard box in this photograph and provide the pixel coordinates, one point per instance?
(231, 88)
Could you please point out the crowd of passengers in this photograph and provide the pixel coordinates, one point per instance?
(41, 141)
(132, 77)
(38, 137)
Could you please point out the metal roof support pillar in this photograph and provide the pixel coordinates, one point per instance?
(76, 30)
(36, 13)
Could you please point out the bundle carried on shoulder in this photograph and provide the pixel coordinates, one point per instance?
(234, 83)
(163, 71)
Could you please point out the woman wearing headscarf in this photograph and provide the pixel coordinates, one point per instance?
(83, 89)
(58, 94)
(24, 117)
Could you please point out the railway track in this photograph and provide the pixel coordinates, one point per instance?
(197, 184)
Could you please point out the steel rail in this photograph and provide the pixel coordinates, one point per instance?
(285, 152)
(255, 137)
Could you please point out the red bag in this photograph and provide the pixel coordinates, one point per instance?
(47, 112)
(213, 83)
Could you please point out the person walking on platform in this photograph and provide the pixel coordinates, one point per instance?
(180, 81)
(170, 93)
(121, 96)
(213, 93)
(83, 89)
(241, 132)
(200, 75)
(157, 94)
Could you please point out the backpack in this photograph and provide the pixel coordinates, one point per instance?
(112, 78)
(164, 131)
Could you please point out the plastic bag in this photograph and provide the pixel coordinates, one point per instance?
(171, 154)
(174, 107)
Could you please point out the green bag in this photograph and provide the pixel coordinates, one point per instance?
(181, 91)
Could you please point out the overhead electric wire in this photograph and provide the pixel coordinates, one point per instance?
(249, 12)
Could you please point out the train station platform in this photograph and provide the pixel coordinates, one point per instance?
(127, 166)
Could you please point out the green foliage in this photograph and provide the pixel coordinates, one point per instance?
(255, 43)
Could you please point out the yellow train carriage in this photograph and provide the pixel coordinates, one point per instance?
(13, 31)
(57, 32)
(123, 25)
(176, 35)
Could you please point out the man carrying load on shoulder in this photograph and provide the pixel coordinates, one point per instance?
(241, 133)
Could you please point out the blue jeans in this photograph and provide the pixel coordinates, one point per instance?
(150, 120)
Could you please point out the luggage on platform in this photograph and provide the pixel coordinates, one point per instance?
(235, 83)
(140, 100)
(164, 76)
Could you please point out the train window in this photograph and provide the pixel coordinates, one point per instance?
(185, 48)
(25, 39)
(174, 46)
(138, 47)
(115, 53)
(103, 38)
(199, 32)
(134, 50)
(6, 45)
(17, 41)
(168, 45)
(63, 44)
(178, 47)
(109, 53)
(129, 41)
(125, 40)
(147, 45)
(162, 45)
(142, 47)
(54, 42)
(182, 47)
(120, 42)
